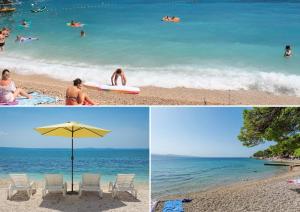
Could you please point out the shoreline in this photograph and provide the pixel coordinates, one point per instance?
(151, 95)
(265, 194)
(89, 201)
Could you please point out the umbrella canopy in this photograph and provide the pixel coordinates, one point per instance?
(72, 130)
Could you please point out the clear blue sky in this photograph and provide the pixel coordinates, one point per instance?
(129, 126)
(204, 132)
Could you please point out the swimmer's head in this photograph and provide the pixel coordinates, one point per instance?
(287, 47)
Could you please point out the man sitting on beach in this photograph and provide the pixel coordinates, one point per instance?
(75, 96)
(8, 90)
(118, 73)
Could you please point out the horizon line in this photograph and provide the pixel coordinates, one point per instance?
(75, 148)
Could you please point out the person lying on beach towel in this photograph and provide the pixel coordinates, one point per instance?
(8, 90)
(118, 73)
(75, 96)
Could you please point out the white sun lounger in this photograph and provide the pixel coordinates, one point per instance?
(90, 182)
(20, 182)
(124, 182)
(54, 183)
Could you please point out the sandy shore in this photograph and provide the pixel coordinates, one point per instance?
(270, 194)
(88, 202)
(156, 95)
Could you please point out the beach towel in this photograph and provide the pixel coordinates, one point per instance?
(37, 98)
(173, 206)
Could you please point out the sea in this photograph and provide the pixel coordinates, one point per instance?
(36, 162)
(179, 174)
(219, 44)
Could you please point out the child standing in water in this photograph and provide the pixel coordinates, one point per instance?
(118, 73)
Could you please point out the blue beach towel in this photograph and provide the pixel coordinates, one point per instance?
(173, 206)
(37, 98)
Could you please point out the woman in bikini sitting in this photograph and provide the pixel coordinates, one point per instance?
(8, 90)
(75, 96)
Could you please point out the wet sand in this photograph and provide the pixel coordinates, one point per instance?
(270, 194)
(156, 95)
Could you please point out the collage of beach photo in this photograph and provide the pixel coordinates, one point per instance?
(149, 106)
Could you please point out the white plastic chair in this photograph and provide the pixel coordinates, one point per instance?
(54, 183)
(124, 182)
(90, 182)
(20, 182)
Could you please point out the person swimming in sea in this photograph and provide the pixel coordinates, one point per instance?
(24, 23)
(171, 19)
(82, 33)
(22, 39)
(118, 73)
(5, 31)
(288, 51)
(2, 41)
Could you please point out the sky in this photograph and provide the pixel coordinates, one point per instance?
(199, 131)
(129, 126)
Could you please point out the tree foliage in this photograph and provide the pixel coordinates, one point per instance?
(277, 124)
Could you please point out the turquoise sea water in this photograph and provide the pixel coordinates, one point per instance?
(107, 162)
(179, 175)
(219, 44)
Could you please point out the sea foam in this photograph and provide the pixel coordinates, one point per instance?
(193, 76)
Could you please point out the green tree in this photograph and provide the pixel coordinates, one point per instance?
(278, 124)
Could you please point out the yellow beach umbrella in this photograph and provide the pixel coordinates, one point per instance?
(72, 130)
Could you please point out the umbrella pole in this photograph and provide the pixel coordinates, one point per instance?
(72, 159)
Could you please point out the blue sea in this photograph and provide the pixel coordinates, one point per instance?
(219, 44)
(178, 175)
(107, 162)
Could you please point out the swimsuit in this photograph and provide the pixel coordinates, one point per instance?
(7, 92)
(70, 100)
(2, 44)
